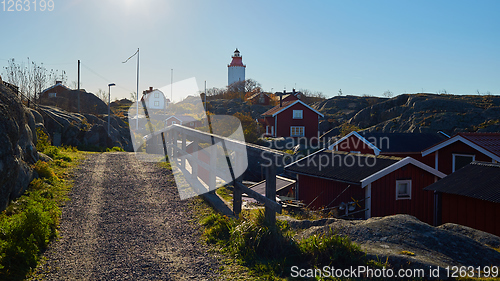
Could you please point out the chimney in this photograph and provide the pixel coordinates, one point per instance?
(58, 82)
(150, 89)
(281, 98)
(293, 91)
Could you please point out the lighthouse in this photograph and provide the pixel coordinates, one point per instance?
(236, 69)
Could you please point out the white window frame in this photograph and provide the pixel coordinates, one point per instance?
(173, 122)
(298, 114)
(157, 103)
(157, 95)
(303, 129)
(462, 155)
(405, 197)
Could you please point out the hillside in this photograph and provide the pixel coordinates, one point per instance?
(422, 113)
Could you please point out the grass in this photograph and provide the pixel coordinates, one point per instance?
(269, 251)
(30, 222)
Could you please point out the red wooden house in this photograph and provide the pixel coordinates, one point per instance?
(381, 185)
(470, 197)
(291, 119)
(391, 144)
(54, 90)
(260, 98)
(463, 148)
(290, 96)
(183, 120)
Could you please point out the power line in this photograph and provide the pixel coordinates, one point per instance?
(102, 77)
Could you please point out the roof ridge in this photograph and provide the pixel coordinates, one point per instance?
(487, 164)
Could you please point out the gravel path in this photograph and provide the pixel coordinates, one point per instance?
(125, 221)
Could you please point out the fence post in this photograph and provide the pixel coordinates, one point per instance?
(183, 156)
(270, 214)
(237, 192)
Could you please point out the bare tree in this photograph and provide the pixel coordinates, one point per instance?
(30, 79)
(102, 95)
(388, 94)
(133, 97)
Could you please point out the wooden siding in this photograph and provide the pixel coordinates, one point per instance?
(326, 191)
(421, 204)
(471, 212)
(445, 156)
(309, 121)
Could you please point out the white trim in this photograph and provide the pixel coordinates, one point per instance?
(368, 201)
(460, 154)
(275, 126)
(295, 102)
(408, 160)
(303, 131)
(436, 160)
(299, 112)
(409, 189)
(375, 149)
(464, 140)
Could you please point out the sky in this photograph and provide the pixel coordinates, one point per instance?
(360, 47)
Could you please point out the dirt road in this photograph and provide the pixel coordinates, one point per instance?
(125, 221)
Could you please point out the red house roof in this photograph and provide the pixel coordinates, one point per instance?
(486, 143)
(287, 104)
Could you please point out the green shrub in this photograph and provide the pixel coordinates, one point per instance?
(44, 170)
(115, 148)
(332, 249)
(52, 151)
(42, 140)
(218, 228)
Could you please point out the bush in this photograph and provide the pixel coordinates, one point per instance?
(218, 229)
(44, 170)
(332, 249)
(52, 151)
(42, 140)
(115, 148)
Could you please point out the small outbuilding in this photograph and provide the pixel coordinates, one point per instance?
(470, 196)
(376, 185)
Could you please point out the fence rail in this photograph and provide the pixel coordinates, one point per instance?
(182, 142)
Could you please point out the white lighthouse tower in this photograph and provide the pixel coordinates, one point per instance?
(236, 69)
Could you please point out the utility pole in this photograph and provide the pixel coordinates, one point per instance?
(78, 86)
(171, 85)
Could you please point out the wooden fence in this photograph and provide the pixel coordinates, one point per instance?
(181, 143)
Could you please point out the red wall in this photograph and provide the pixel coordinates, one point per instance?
(309, 121)
(471, 212)
(353, 143)
(445, 155)
(421, 204)
(311, 187)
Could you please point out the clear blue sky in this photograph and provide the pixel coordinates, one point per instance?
(361, 47)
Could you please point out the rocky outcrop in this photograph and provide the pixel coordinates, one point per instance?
(422, 113)
(17, 146)
(230, 107)
(85, 130)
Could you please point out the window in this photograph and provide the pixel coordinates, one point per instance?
(157, 95)
(296, 131)
(403, 189)
(297, 114)
(461, 160)
(262, 100)
(173, 122)
(157, 103)
(353, 151)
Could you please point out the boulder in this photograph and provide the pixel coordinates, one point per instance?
(17, 147)
(86, 129)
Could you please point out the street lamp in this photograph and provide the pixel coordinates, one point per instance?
(109, 101)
